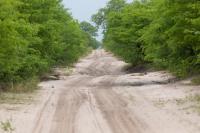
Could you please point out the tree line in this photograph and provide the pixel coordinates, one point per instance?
(165, 33)
(36, 35)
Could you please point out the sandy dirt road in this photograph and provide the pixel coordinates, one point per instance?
(100, 98)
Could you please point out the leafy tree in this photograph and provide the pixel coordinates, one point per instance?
(173, 37)
(100, 18)
(12, 43)
(35, 36)
(91, 33)
(123, 25)
(89, 28)
(162, 32)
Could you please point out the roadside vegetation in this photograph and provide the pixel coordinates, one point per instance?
(165, 33)
(35, 36)
(7, 126)
(196, 80)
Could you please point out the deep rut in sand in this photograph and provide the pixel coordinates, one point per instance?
(90, 102)
(106, 110)
(99, 97)
(103, 104)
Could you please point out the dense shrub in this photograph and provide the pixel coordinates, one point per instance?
(36, 35)
(163, 32)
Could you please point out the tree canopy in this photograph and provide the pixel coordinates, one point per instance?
(89, 28)
(36, 35)
(165, 33)
(91, 33)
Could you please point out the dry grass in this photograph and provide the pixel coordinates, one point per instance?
(14, 98)
(196, 80)
(19, 93)
(196, 100)
(191, 102)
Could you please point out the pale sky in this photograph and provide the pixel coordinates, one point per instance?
(84, 9)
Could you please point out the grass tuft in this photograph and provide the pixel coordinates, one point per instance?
(7, 126)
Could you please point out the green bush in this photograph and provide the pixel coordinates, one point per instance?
(163, 32)
(36, 35)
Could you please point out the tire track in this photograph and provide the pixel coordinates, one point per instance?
(114, 109)
(68, 105)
